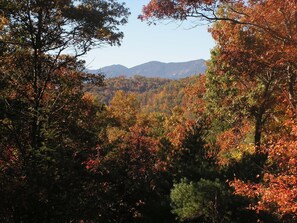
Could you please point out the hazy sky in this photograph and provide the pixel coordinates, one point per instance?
(165, 42)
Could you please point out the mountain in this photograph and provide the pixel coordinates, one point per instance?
(156, 69)
(114, 71)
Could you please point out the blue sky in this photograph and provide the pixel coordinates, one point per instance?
(165, 42)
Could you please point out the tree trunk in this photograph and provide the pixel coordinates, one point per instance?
(259, 127)
(258, 133)
(291, 89)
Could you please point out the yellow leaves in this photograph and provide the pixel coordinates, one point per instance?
(115, 134)
(234, 143)
(89, 98)
(124, 108)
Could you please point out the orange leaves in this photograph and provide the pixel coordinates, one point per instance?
(195, 96)
(263, 63)
(177, 134)
(267, 33)
(251, 82)
(277, 18)
(3, 22)
(277, 193)
(283, 149)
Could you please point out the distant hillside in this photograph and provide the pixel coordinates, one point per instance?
(167, 96)
(156, 69)
(154, 94)
(137, 84)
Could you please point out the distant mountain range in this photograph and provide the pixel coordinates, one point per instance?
(156, 69)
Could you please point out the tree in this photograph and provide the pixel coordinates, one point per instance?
(238, 11)
(38, 182)
(42, 30)
(203, 201)
(130, 165)
(200, 192)
(48, 125)
(38, 28)
(80, 25)
(123, 108)
(231, 102)
(254, 64)
(272, 19)
(258, 58)
(276, 193)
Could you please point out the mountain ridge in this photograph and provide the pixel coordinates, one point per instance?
(171, 70)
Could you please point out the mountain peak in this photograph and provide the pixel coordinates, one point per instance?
(116, 66)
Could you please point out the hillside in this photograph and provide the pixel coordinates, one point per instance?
(154, 94)
(137, 84)
(167, 96)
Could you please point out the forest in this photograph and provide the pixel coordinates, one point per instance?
(219, 147)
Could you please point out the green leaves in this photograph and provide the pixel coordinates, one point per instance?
(60, 25)
(98, 19)
(204, 200)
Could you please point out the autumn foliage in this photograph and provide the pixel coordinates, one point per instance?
(278, 192)
(251, 94)
(215, 147)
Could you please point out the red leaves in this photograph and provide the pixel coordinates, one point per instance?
(9, 158)
(90, 164)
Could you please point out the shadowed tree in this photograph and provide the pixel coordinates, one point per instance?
(48, 125)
